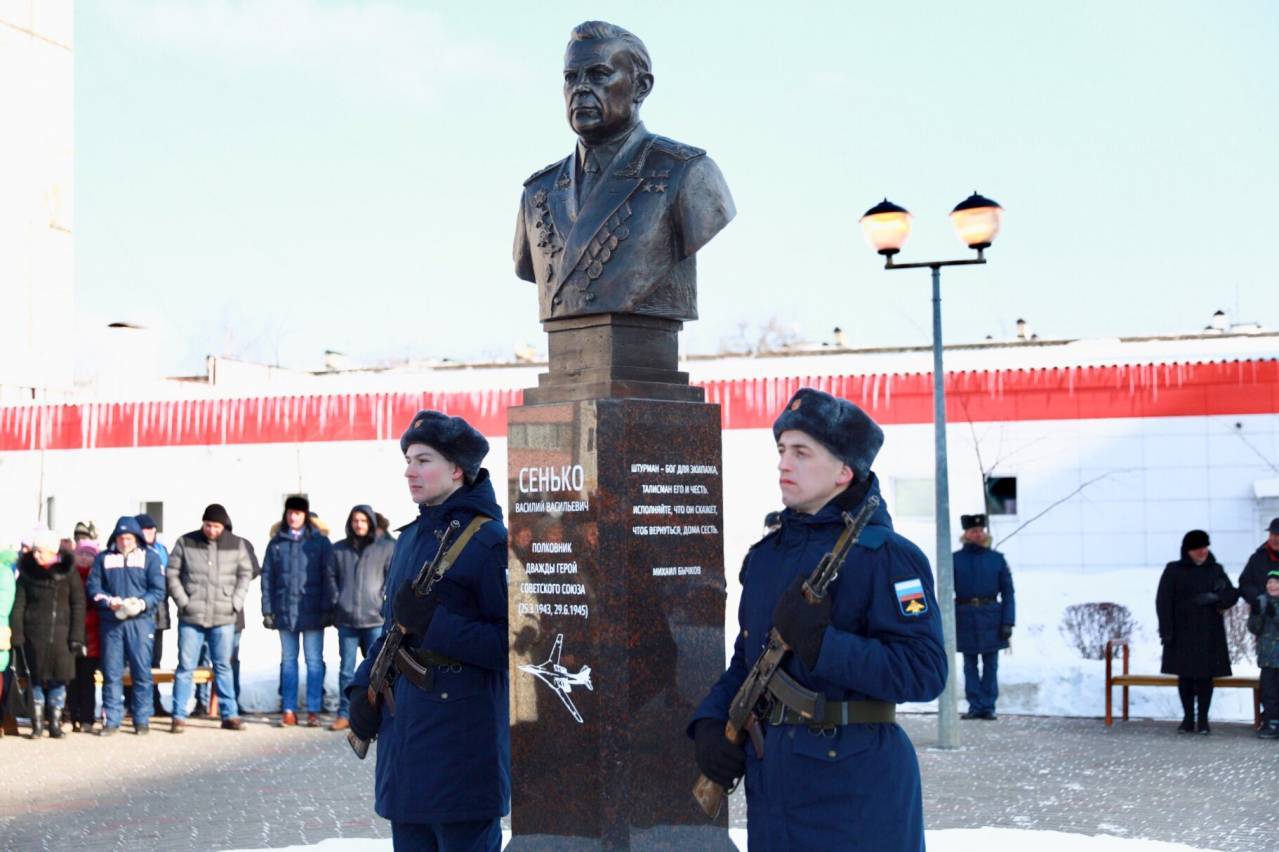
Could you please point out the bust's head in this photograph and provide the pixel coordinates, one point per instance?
(607, 75)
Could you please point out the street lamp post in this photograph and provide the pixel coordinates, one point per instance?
(886, 227)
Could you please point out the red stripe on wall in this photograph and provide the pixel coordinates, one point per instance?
(1057, 393)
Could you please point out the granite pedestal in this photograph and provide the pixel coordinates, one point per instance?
(617, 618)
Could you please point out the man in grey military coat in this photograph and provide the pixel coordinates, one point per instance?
(614, 226)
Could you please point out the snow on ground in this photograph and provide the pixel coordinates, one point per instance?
(950, 840)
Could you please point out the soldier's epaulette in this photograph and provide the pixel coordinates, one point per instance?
(537, 174)
(678, 150)
(873, 538)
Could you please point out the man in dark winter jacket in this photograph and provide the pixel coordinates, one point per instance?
(985, 612)
(1264, 623)
(360, 565)
(443, 762)
(298, 600)
(127, 584)
(48, 625)
(851, 781)
(208, 578)
(1252, 580)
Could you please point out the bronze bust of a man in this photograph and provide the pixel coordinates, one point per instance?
(614, 227)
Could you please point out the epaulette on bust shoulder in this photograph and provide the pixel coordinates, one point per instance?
(678, 150)
(537, 174)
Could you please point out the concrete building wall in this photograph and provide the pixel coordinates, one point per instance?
(37, 198)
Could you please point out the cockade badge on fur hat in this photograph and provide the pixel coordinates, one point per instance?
(970, 521)
(453, 437)
(841, 427)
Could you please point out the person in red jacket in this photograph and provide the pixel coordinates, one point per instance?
(83, 698)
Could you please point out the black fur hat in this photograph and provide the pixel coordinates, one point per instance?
(1194, 540)
(841, 427)
(453, 437)
(297, 503)
(970, 521)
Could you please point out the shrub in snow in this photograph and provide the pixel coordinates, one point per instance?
(1087, 627)
(1242, 644)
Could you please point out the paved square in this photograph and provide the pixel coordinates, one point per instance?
(270, 787)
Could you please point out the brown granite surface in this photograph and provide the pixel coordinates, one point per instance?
(617, 546)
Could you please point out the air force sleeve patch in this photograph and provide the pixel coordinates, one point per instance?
(910, 597)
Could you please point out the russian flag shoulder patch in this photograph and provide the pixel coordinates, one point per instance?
(910, 597)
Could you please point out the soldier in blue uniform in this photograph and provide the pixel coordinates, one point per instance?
(985, 612)
(444, 754)
(850, 781)
(127, 583)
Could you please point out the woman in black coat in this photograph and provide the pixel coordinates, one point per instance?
(1194, 592)
(48, 625)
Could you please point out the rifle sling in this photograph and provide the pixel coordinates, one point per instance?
(418, 664)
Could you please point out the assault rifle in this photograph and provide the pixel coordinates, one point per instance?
(380, 680)
(743, 718)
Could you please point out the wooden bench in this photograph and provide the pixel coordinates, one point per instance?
(203, 674)
(1126, 680)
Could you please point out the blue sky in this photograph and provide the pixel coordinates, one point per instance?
(273, 179)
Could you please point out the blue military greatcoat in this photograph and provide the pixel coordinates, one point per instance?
(854, 787)
(445, 756)
(982, 574)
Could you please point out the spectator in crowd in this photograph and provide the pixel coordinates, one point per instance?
(1193, 594)
(48, 624)
(208, 578)
(84, 691)
(1253, 578)
(359, 567)
(8, 582)
(85, 531)
(152, 542)
(1264, 622)
(127, 585)
(985, 611)
(297, 600)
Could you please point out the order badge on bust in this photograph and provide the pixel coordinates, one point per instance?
(910, 597)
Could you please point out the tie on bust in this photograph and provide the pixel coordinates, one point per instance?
(590, 176)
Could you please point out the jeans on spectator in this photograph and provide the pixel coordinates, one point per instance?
(235, 664)
(191, 640)
(50, 693)
(84, 692)
(349, 638)
(206, 659)
(981, 690)
(129, 640)
(481, 835)
(313, 647)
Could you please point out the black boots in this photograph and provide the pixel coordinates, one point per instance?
(37, 722)
(55, 725)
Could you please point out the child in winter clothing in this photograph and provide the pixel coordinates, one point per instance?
(1264, 622)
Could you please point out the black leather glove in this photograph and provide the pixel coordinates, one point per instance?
(268, 621)
(77, 649)
(365, 718)
(802, 624)
(720, 760)
(412, 613)
(1005, 632)
(1206, 598)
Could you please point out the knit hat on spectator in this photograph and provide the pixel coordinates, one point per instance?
(216, 513)
(1193, 540)
(145, 521)
(1274, 525)
(45, 539)
(87, 546)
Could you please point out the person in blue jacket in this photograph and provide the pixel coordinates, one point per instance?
(298, 598)
(444, 755)
(127, 583)
(849, 781)
(985, 612)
